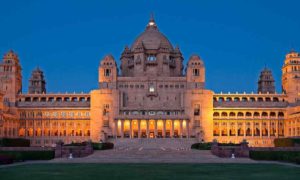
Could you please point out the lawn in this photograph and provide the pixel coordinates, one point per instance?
(149, 171)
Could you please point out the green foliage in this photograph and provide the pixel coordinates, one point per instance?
(288, 156)
(29, 155)
(284, 142)
(228, 144)
(201, 146)
(75, 144)
(103, 146)
(6, 159)
(14, 142)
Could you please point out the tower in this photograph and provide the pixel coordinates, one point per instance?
(108, 73)
(37, 83)
(10, 77)
(195, 72)
(266, 83)
(291, 76)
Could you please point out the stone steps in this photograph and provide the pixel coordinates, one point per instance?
(163, 144)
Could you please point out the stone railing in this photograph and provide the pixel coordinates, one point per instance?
(250, 104)
(241, 150)
(53, 104)
(62, 150)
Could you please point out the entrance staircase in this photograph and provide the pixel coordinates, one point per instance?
(159, 143)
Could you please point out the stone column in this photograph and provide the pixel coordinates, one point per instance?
(252, 128)
(269, 122)
(164, 128)
(122, 128)
(172, 129)
(139, 128)
(244, 130)
(236, 128)
(116, 128)
(260, 129)
(228, 128)
(277, 132)
(181, 128)
(147, 128)
(188, 129)
(155, 128)
(130, 128)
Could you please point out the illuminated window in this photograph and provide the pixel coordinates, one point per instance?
(151, 88)
(151, 57)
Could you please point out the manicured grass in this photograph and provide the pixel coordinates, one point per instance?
(149, 171)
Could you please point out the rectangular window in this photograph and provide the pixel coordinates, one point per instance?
(107, 72)
(196, 72)
(197, 110)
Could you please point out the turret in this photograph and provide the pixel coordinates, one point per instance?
(266, 83)
(37, 83)
(291, 76)
(195, 72)
(108, 73)
(10, 77)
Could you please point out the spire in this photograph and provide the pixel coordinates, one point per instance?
(151, 24)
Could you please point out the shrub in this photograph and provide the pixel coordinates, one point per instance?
(5, 159)
(288, 156)
(76, 144)
(14, 142)
(103, 146)
(29, 155)
(284, 142)
(228, 144)
(201, 146)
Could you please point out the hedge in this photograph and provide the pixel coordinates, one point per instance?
(103, 146)
(29, 155)
(287, 156)
(6, 159)
(14, 142)
(201, 146)
(286, 142)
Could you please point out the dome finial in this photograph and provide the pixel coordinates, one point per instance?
(151, 24)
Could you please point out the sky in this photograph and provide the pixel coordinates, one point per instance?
(67, 38)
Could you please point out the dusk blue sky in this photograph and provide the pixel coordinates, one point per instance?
(68, 38)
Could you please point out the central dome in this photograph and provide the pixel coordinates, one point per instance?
(151, 38)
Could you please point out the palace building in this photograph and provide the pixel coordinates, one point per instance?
(152, 95)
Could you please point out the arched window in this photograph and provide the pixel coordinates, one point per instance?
(248, 114)
(281, 114)
(224, 114)
(264, 114)
(256, 114)
(240, 114)
(216, 114)
(232, 114)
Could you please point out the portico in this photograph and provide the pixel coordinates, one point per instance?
(151, 128)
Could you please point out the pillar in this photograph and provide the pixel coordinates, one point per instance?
(147, 130)
(155, 128)
(181, 128)
(252, 128)
(164, 128)
(260, 129)
(139, 128)
(269, 125)
(172, 129)
(116, 128)
(277, 132)
(188, 128)
(130, 128)
(122, 128)
(244, 124)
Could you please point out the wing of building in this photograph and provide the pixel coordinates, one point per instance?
(152, 95)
